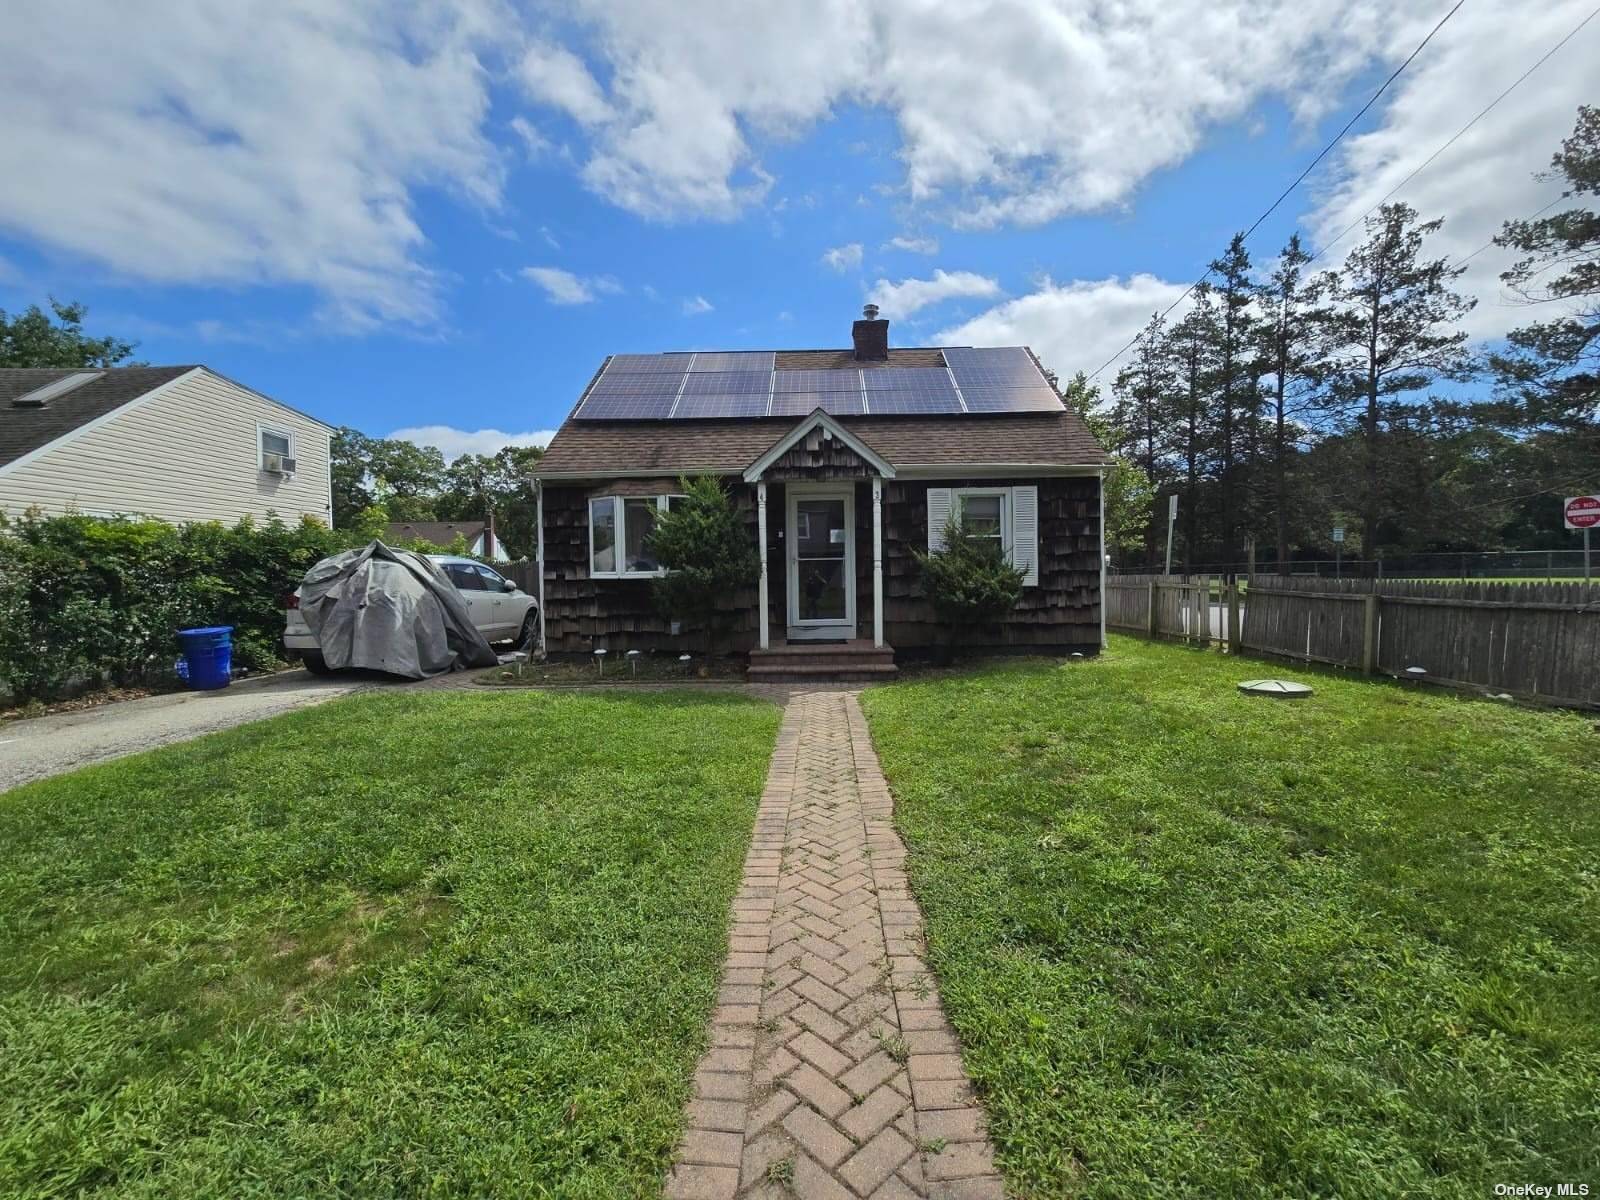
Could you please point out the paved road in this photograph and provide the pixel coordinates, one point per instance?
(44, 746)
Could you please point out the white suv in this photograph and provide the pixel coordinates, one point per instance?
(501, 610)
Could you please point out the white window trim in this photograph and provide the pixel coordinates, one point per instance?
(959, 495)
(620, 540)
(262, 429)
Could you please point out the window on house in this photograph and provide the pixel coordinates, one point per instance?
(1009, 515)
(986, 515)
(619, 534)
(274, 441)
(639, 520)
(603, 536)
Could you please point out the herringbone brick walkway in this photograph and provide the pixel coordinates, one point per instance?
(832, 1071)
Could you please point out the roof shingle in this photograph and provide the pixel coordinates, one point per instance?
(24, 430)
(583, 448)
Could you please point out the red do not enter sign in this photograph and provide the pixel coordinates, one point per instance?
(1582, 512)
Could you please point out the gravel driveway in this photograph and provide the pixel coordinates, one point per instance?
(43, 746)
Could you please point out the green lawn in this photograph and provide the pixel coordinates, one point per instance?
(438, 944)
(1199, 943)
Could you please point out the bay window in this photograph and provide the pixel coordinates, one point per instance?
(619, 535)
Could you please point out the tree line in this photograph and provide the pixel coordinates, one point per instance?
(1287, 400)
(376, 480)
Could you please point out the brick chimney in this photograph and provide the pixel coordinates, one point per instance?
(871, 336)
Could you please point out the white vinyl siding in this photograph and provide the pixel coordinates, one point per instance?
(1019, 522)
(192, 453)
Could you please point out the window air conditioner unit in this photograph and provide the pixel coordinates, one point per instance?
(277, 464)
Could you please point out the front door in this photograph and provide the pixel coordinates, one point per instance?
(822, 563)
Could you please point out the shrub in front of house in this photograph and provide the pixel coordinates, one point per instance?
(969, 580)
(707, 556)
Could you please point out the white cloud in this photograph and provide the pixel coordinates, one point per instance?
(563, 287)
(533, 142)
(1488, 175)
(557, 77)
(453, 442)
(843, 258)
(694, 306)
(1012, 111)
(240, 142)
(1072, 326)
(913, 245)
(910, 295)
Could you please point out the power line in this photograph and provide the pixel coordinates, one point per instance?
(1548, 54)
(1461, 262)
(1302, 176)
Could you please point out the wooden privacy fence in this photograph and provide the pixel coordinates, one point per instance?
(1538, 641)
(1174, 606)
(524, 573)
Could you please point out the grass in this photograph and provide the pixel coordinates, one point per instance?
(438, 944)
(1201, 943)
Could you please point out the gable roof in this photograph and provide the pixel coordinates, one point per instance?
(24, 430)
(584, 449)
(831, 428)
(437, 533)
(1049, 436)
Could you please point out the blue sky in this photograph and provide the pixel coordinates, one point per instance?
(438, 218)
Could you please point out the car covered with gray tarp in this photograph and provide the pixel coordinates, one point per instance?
(390, 610)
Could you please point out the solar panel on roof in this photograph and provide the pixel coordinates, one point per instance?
(625, 408)
(649, 363)
(800, 404)
(722, 404)
(910, 403)
(1009, 366)
(735, 360)
(632, 384)
(817, 381)
(1004, 400)
(712, 383)
(907, 379)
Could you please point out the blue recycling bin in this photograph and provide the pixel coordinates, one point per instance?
(207, 656)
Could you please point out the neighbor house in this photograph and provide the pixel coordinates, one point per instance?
(479, 536)
(178, 443)
(844, 462)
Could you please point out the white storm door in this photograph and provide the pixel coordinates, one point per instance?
(821, 537)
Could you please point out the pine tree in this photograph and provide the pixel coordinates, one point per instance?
(1193, 346)
(1392, 330)
(1140, 412)
(1292, 324)
(1549, 376)
(1236, 375)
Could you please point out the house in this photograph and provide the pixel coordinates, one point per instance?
(178, 443)
(478, 535)
(844, 462)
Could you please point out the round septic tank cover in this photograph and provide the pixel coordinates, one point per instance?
(1284, 689)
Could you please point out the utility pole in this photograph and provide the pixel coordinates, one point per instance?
(1172, 519)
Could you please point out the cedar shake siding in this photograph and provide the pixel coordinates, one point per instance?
(1060, 614)
(985, 419)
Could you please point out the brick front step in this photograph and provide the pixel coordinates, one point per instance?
(822, 673)
(856, 661)
(811, 662)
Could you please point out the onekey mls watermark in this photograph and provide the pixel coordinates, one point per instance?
(1540, 1190)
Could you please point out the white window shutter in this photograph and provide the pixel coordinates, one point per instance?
(1025, 533)
(938, 517)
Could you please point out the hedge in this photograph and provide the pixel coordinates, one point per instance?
(86, 601)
